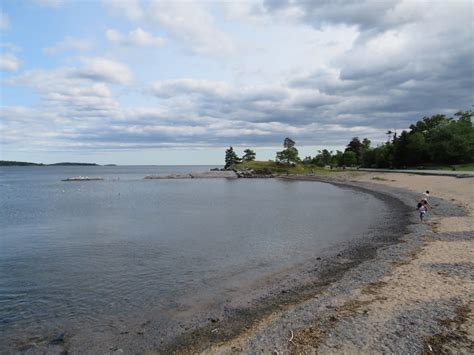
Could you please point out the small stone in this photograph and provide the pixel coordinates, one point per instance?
(58, 339)
(27, 347)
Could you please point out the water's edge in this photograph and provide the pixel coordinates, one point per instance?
(280, 294)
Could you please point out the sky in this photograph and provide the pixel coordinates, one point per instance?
(177, 82)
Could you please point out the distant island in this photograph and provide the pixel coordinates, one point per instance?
(23, 163)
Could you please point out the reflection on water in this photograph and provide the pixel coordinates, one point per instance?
(76, 254)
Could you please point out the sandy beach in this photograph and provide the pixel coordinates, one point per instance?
(415, 296)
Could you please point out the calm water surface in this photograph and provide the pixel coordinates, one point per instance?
(75, 255)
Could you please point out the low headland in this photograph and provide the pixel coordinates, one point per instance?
(24, 163)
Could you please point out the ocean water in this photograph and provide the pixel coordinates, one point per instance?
(82, 256)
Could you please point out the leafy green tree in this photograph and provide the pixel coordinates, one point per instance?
(417, 149)
(401, 152)
(337, 159)
(365, 155)
(432, 140)
(428, 125)
(366, 143)
(349, 158)
(289, 154)
(249, 155)
(324, 157)
(355, 146)
(384, 156)
(368, 158)
(231, 158)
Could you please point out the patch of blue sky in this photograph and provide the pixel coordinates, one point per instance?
(17, 96)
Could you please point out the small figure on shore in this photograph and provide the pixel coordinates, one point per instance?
(425, 197)
(422, 208)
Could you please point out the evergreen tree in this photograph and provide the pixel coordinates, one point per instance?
(289, 154)
(249, 155)
(355, 146)
(231, 158)
(288, 143)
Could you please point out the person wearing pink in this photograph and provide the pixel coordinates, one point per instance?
(423, 209)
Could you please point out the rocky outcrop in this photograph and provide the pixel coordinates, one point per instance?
(251, 174)
(196, 175)
(83, 178)
(214, 174)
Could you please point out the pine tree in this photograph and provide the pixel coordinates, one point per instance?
(249, 155)
(231, 158)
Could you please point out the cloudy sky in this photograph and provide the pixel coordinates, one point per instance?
(176, 82)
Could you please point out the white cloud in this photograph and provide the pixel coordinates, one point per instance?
(245, 12)
(191, 23)
(69, 44)
(9, 62)
(130, 8)
(65, 90)
(172, 88)
(102, 69)
(317, 71)
(137, 37)
(4, 21)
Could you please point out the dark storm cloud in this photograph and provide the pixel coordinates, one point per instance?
(365, 14)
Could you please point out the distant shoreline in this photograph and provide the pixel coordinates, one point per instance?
(23, 163)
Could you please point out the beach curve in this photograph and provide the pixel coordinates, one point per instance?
(415, 296)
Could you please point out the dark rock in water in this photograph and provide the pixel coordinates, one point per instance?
(83, 178)
(58, 339)
(196, 175)
(318, 258)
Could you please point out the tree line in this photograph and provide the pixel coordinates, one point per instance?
(434, 140)
(430, 141)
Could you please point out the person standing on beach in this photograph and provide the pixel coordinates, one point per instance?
(423, 209)
(425, 197)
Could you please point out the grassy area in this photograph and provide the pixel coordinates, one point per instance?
(271, 166)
